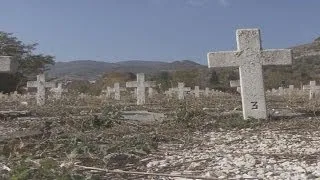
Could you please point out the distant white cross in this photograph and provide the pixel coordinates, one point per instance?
(116, 90)
(58, 91)
(313, 89)
(236, 83)
(250, 58)
(206, 92)
(196, 91)
(140, 85)
(181, 90)
(41, 86)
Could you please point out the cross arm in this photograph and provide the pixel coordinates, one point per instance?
(131, 84)
(306, 87)
(187, 89)
(50, 84)
(276, 57)
(224, 59)
(31, 84)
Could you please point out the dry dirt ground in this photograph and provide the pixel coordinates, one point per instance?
(197, 139)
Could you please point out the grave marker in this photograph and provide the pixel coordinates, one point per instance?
(116, 90)
(206, 92)
(313, 89)
(281, 91)
(236, 83)
(181, 90)
(140, 86)
(250, 58)
(196, 92)
(57, 91)
(41, 86)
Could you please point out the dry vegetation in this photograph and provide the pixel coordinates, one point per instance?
(55, 140)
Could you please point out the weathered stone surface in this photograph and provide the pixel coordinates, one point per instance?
(313, 89)
(141, 86)
(116, 90)
(41, 86)
(8, 65)
(250, 58)
(182, 90)
(196, 92)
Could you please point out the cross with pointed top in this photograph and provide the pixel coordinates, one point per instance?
(250, 57)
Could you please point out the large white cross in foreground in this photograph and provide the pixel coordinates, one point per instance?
(250, 58)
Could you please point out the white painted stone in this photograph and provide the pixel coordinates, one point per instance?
(41, 86)
(250, 58)
(140, 86)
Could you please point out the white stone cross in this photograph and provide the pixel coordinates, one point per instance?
(181, 90)
(250, 58)
(116, 90)
(281, 91)
(289, 90)
(58, 91)
(206, 92)
(170, 92)
(196, 91)
(150, 92)
(7, 65)
(41, 86)
(236, 83)
(313, 89)
(141, 86)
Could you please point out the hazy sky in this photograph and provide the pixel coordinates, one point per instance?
(166, 30)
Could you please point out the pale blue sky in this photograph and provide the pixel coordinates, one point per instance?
(166, 30)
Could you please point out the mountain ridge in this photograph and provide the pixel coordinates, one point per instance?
(303, 56)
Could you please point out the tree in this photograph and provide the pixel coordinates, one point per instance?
(30, 64)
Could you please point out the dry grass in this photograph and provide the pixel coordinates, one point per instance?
(93, 133)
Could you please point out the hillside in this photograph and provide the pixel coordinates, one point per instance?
(305, 67)
(91, 70)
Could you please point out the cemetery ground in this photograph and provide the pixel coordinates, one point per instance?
(203, 138)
